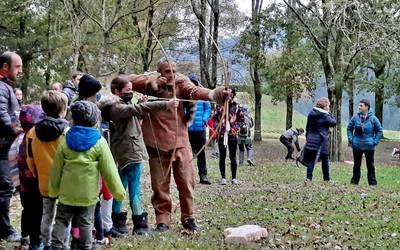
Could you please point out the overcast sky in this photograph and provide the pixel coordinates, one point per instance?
(245, 5)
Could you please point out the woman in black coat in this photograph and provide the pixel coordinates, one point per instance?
(319, 121)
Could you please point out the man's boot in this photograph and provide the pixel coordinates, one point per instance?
(140, 226)
(119, 222)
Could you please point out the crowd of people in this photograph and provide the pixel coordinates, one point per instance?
(79, 153)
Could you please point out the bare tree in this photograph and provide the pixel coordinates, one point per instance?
(340, 31)
(256, 63)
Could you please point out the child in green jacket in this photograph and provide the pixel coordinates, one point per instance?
(81, 158)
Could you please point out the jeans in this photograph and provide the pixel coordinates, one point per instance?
(288, 144)
(250, 152)
(46, 227)
(232, 146)
(311, 156)
(6, 189)
(63, 219)
(197, 140)
(369, 158)
(130, 177)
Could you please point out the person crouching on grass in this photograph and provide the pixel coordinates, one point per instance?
(81, 158)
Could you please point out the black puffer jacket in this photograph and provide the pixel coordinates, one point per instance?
(8, 107)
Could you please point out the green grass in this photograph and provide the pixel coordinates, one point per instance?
(273, 195)
(319, 215)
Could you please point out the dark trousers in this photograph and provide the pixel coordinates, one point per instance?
(6, 189)
(369, 158)
(311, 158)
(232, 146)
(98, 222)
(31, 216)
(288, 144)
(64, 216)
(197, 140)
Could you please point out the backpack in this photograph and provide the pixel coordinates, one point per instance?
(243, 130)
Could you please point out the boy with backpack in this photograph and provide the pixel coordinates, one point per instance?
(82, 157)
(42, 142)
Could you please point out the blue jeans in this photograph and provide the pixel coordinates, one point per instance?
(130, 177)
(312, 159)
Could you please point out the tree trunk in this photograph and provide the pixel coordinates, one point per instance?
(351, 98)
(201, 16)
(256, 63)
(379, 101)
(380, 91)
(49, 54)
(289, 110)
(149, 42)
(257, 97)
(214, 58)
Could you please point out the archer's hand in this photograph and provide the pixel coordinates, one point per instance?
(220, 95)
(173, 104)
(143, 98)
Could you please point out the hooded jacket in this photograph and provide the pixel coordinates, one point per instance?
(70, 91)
(201, 116)
(82, 157)
(126, 137)
(8, 107)
(317, 130)
(364, 133)
(42, 142)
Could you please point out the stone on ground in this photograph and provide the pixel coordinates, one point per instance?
(244, 234)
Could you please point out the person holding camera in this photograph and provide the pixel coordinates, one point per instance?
(364, 133)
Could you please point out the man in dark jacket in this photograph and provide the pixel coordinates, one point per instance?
(70, 88)
(197, 132)
(10, 68)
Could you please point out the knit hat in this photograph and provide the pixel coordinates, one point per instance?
(88, 86)
(30, 115)
(85, 113)
(195, 79)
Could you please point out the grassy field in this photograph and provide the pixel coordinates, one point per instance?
(318, 215)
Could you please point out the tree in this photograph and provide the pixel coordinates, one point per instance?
(256, 62)
(340, 31)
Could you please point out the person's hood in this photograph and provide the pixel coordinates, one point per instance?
(369, 114)
(81, 138)
(49, 129)
(316, 113)
(69, 84)
(105, 104)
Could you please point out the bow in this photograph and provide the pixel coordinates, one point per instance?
(225, 112)
(174, 97)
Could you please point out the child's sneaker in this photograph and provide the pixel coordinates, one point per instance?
(394, 151)
(235, 182)
(223, 181)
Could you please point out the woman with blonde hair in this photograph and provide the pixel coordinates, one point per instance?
(319, 121)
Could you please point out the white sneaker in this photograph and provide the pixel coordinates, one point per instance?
(235, 182)
(394, 152)
(223, 181)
